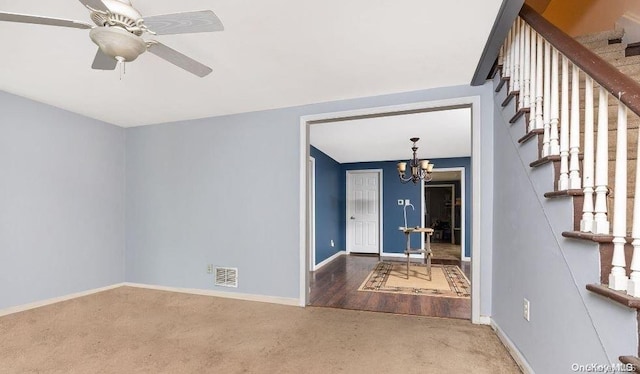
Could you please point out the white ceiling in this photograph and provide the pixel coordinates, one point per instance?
(442, 133)
(272, 54)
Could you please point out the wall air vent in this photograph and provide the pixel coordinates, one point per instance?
(227, 277)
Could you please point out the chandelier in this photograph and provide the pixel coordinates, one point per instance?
(420, 170)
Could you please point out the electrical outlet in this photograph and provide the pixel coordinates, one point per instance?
(210, 269)
(526, 309)
(400, 202)
(332, 243)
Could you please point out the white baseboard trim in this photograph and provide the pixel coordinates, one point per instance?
(484, 320)
(38, 304)
(328, 260)
(228, 295)
(395, 254)
(513, 350)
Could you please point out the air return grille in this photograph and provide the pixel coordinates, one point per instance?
(227, 277)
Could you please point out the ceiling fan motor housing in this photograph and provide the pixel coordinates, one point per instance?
(122, 8)
(118, 43)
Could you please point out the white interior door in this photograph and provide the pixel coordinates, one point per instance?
(363, 211)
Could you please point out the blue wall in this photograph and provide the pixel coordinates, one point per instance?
(393, 240)
(330, 219)
(331, 203)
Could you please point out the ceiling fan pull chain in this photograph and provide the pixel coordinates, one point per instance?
(122, 66)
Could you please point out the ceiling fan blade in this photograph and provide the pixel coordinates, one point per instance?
(182, 23)
(95, 4)
(178, 59)
(103, 62)
(25, 18)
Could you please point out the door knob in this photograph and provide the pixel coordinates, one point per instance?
(352, 217)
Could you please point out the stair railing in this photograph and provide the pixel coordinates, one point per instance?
(544, 73)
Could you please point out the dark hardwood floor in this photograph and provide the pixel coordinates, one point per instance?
(336, 285)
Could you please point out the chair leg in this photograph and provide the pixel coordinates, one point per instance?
(408, 257)
(428, 256)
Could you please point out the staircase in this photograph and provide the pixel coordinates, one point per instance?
(588, 167)
(608, 45)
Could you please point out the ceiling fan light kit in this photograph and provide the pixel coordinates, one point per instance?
(119, 29)
(118, 43)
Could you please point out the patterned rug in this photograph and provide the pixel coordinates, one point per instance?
(391, 277)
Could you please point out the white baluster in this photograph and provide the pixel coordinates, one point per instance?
(508, 71)
(501, 55)
(522, 65)
(531, 96)
(554, 146)
(633, 286)
(526, 63)
(618, 278)
(539, 88)
(516, 56)
(563, 183)
(586, 224)
(574, 131)
(601, 222)
(546, 97)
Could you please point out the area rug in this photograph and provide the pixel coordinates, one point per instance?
(391, 277)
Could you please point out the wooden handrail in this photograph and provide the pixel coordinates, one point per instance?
(618, 84)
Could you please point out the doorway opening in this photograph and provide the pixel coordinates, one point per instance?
(397, 112)
(444, 210)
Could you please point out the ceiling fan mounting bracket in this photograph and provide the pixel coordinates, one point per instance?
(119, 14)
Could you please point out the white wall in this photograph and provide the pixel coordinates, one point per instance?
(61, 202)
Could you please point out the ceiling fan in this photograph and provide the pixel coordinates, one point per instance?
(119, 28)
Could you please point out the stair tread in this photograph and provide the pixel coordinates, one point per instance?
(618, 296)
(633, 360)
(598, 238)
(562, 193)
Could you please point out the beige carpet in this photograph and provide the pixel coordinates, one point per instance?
(446, 280)
(130, 330)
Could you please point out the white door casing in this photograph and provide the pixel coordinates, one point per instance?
(463, 223)
(312, 213)
(363, 211)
